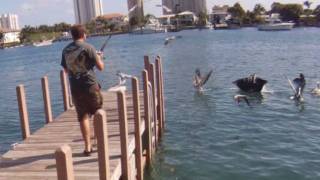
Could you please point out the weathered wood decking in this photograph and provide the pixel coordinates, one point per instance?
(35, 159)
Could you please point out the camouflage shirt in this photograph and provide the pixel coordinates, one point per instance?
(79, 58)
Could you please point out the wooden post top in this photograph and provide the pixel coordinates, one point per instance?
(64, 149)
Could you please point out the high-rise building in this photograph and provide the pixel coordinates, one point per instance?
(135, 9)
(176, 6)
(9, 22)
(86, 10)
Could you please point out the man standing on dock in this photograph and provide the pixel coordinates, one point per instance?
(78, 60)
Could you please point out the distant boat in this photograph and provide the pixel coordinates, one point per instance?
(43, 43)
(153, 26)
(148, 29)
(275, 24)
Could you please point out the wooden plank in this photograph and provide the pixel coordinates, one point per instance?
(34, 159)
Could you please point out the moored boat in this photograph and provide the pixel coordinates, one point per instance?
(275, 24)
(43, 43)
(281, 26)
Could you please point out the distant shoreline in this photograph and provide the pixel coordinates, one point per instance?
(12, 45)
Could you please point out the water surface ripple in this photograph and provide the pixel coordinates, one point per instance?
(208, 136)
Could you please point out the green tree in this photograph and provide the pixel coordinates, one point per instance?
(112, 27)
(317, 12)
(255, 16)
(249, 18)
(133, 21)
(288, 12)
(91, 26)
(1, 35)
(45, 28)
(102, 24)
(291, 12)
(61, 27)
(203, 18)
(237, 12)
(276, 7)
(259, 10)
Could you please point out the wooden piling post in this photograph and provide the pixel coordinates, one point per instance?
(147, 116)
(23, 111)
(64, 163)
(122, 107)
(137, 120)
(159, 105)
(146, 62)
(154, 99)
(162, 92)
(101, 131)
(64, 86)
(46, 99)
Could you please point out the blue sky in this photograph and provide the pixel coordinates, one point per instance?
(35, 12)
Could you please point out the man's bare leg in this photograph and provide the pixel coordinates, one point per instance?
(86, 134)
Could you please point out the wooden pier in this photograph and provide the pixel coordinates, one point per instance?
(126, 133)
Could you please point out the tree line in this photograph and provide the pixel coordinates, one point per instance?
(301, 14)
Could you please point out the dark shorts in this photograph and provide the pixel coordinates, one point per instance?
(87, 102)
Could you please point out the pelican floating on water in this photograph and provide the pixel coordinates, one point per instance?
(239, 98)
(297, 86)
(316, 91)
(199, 81)
(170, 39)
(251, 83)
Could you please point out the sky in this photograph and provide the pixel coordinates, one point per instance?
(36, 12)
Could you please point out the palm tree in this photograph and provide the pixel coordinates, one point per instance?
(259, 9)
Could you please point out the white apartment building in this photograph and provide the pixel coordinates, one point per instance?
(9, 22)
(178, 6)
(86, 10)
(135, 9)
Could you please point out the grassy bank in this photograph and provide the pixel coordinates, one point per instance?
(36, 37)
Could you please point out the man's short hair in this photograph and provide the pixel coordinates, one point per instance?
(78, 31)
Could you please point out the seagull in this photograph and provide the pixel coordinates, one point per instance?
(238, 99)
(122, 78)
(199, 81)
(169, 39)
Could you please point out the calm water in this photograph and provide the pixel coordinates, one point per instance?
(208, 136)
